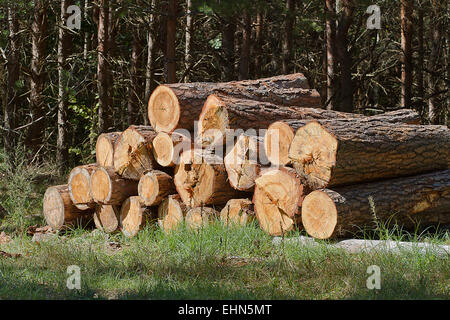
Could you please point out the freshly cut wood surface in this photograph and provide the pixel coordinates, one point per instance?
(278, 194)
(340, 153)
(107, 187)
(201, 179)
(171, 213)
(104, 148)
(60, 212)
(79, 186)
(154, 186)
(106, 218)
(406, 201)
(200, 217)
(277, 140)
(237, 211)
(134, 216)
(178, 105)
(167, 147)
(133, 155)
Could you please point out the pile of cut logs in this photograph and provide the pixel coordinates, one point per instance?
(288, 163)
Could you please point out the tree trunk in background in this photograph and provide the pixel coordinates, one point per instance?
(149, 77)
(406, 58)
(245, 49)
(258, 45)
(188, 48)
(287, 36)
(330, 32)
(135, 89)
(86, 40)
(13, 76)
(346, 87)
(63, 37)
(102, 68)
(171, 42)
(420, 51)
(38, 76)
(433, 64)
(228, 31)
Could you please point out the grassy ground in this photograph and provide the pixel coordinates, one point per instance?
(217, 263)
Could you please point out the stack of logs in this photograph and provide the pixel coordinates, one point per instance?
(330, 172)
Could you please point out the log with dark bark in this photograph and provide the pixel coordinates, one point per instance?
(340, 153)
(201, 179)
(167, 147)
(280, 134)
(278, 194)
(106, 218)
(107, 187)
(60, 212)
(171, 213)
(104, 148)
(79, 186)
(200, 217)
(344, 211)
(134, 216)
(154, 186)
(237, 212)
(133, 155)
(174, 106)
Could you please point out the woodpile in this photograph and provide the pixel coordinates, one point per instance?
(262, 151)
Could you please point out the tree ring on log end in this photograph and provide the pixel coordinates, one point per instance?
(277, 140)
(319, 215)
(163, 149)
(53, 208)
(163, 109)
(79, 186)
(101, 185)
(148, 187)
(131, 216)
(213, 119)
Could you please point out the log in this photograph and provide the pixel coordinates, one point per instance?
(340, 153)
(200, 217)
(171, 213)
(178, 105)
(201, 179)
(134, 216)
(167, 147)
(104, 148)
(79, 186)
(133, 155)
(279, 135)
(107, 187)
(106, 218)
(154, 186)
(60, 212)
(343, 211)
(237, 212)
(278, 194)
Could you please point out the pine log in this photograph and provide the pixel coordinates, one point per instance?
(107, 187)
(154, 186)
(167, 147)
(134, 216)
(237, 212)
(171, 213)
(278, 194)
(178, 105)
(106, 218)
(79, 186)
(60, 212)
(279, 135)
(201, 179)
(104, 148)
(200, 217)
(133, 155)
(338, 153)
(344, 211)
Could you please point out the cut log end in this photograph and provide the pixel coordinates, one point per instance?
(171, 213)
(133, 216)
(106, 218)
(154, 186)
(163, 109)
(163, 149)
(79, 186)
(237, 212)
(100, 185)
(199, 218)
(276, 198)
(319, 215)
(213, 121)
(277, 140)
(104, 149)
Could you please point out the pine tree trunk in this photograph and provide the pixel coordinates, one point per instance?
(188, 45)
(330, 32)
(171, 38)
(287, 36)
(245, 49)
(135, 89)
(406, 57)
(102, 68)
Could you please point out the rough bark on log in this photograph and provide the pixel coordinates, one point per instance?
(104, 148)
(237, 212)
(134, 216)
(79, 186)
(200, 217)
(404, 201)
(171, 213)
(340, 153)
(154, 186)
(133, 155)
(280, 134)
(107, 187)
(167, 147)
(106, 218)
(278, 194)
(179, 105)
(201, 179)
(60, 212)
